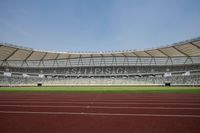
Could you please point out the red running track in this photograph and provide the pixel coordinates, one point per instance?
(99, 113)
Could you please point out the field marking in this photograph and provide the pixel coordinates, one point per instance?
(100, 107)
(97, 114)
(94, 102)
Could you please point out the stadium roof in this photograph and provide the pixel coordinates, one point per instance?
(188, 48)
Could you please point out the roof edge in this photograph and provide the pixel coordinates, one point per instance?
(100, 52)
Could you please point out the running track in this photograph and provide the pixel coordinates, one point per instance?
(99, 113)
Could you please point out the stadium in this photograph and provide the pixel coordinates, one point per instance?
(99, 66)
(177, 65)
(100, 92)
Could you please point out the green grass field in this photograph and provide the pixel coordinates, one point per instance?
(108, 89)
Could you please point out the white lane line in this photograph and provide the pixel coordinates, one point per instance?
(100, 107)
(97, 114)
(94, 102)
(87, 100)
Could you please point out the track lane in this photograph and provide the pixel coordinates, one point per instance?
(99, 113)
(112, 110)
(68, 123)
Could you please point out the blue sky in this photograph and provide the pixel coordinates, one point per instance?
(98, 25)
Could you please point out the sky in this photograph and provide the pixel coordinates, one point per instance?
(98, 25)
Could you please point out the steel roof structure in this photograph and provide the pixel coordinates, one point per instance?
(186, 52)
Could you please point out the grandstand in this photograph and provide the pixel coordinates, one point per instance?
(176, 64)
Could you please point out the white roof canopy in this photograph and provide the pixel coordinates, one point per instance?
(189, 48)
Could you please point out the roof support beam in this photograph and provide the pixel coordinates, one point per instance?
(44, 56)
(187, 60)
(27, 59)
(169, 58)
(138, 60)
(80, 60)
(91, 60)
(55, 60)
(135, 54)
(3, 62)
(123, 54)
(194, 45)
(152, 58)
(181, 51)
(28, 56)
(41, 60)
(113, 59)
(11, 54)
(125, 59)
(163, 52)
(102, 60)
(68, 60)
(148, 54)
